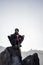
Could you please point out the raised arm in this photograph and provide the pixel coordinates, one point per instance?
(21, 38)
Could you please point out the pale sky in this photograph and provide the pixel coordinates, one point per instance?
(27, 15)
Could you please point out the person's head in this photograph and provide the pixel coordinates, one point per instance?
(16, 30)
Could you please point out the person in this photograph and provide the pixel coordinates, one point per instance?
(16, 39)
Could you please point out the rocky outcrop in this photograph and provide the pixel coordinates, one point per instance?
(10, 56)
(31, 60)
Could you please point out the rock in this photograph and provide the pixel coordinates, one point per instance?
(10, 56)
(31, 60)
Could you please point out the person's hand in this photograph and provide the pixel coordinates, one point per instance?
(23, 35)
(19, 38)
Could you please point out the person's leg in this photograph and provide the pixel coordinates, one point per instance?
(20, 56)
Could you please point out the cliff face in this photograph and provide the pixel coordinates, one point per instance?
(10, 56)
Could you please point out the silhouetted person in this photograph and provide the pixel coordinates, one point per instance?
(16, 39)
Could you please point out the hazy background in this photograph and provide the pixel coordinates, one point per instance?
(27, 15)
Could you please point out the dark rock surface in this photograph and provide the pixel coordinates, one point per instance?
(31, 60)
(10, 56)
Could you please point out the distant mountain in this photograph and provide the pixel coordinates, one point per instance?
(30, 52)
(1, 49)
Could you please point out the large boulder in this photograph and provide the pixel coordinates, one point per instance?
(10, 56)
(31, 60)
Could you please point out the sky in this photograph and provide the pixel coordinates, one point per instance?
(27, 15)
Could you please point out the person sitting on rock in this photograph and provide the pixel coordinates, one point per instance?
(16, 39)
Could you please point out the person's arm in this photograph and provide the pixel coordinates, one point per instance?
(12, 39)
(21, 38)
(9, 37)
